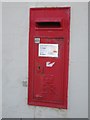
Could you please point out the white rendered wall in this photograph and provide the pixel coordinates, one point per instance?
(0, 60)
(15, 62)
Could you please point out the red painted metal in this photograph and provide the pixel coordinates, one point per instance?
(48, 86)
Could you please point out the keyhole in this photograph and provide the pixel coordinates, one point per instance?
(39, 67)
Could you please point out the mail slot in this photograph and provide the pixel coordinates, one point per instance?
(49, 36)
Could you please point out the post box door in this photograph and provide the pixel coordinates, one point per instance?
(49, 70)
(49, 57)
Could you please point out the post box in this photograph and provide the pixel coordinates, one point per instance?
(49, 35)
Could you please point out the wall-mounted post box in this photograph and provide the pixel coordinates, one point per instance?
(49, 56)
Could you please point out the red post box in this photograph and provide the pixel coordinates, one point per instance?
(49, 57)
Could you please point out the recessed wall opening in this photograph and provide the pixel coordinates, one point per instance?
(48, 24)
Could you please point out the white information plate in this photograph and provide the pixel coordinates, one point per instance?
(48, 50)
